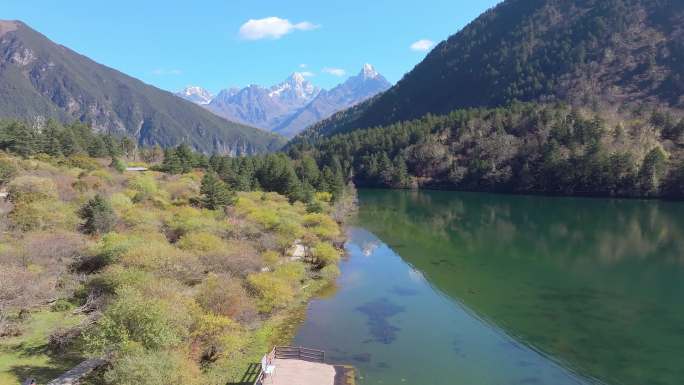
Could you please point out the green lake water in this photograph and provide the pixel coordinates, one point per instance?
(448, 288)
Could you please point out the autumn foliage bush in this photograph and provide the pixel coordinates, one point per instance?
(167, 287)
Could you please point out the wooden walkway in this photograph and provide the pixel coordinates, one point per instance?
(75, 375)
(302, 366)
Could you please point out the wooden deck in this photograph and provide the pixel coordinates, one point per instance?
(289, 372)
(302, 366)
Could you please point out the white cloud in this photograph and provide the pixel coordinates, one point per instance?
(422, 45)
(166, 72)
(307, 74)
(303, 65)
(334, 71)
(272, 28)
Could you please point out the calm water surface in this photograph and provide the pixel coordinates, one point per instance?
(476, 289)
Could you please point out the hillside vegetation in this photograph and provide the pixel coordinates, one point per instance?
(524, 148)
(178, 277)
(592, 53)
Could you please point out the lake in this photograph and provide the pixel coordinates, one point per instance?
(478, 289)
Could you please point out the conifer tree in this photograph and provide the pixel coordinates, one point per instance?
(98, 215)
(215, 193)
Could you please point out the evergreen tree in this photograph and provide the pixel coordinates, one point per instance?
(172, 162)
(386, 169)
(652, 171)
(98, 216)
(68, 142)
(400, 176)
(186, 157)
(308, 170)
(215, 193)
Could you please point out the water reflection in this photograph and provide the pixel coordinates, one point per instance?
(392, 324)
(597, 284)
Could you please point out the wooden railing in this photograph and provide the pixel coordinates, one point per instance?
(299, 353)
(292, 353)
(260, 378)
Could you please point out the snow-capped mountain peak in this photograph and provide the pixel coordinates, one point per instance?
(369, 72)
(295, 87)
(294, 104)
(196, 94)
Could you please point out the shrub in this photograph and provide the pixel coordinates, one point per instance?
(137, 366)
(225, 296)
(23, 288)
(8, 169)
(189, 219)
(270, 257)
(165, 259)
(326, 254)
(273, 292)
(293, 272)
(201, 243)
(144, 218)
(214, 335)
(54, 249)
(103, 175)
(61, 305)
(120, 203)
(322, 226)
(29, 188)
(277, 289)
(82, 161)
(330, 273)
(267, 218)
(43, 215)
(118, 165)
(134, 317)
(183, 188)
(98, 216)
(239, 258)
(115, 277)
(146, 188)
(109, 250)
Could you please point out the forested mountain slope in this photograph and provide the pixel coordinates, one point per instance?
(523, 148)
(596, 53)
(40, 79)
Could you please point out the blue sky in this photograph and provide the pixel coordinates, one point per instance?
(222, 43)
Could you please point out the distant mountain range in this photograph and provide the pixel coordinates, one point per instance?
(40, 79)
(291, 106)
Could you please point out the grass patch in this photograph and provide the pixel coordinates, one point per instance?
(27, 355)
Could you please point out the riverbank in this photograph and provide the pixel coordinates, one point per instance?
(178, 287)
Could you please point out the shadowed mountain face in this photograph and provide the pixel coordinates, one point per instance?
(291, 106)
(586, 52)
(40, 79)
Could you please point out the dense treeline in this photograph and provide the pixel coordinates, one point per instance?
(297, 179)
(55, 139)
(523, 148)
